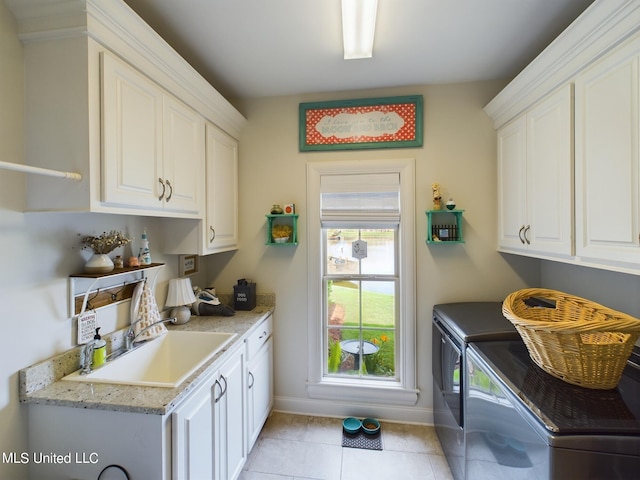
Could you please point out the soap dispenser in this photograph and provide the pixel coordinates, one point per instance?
(99, 350)
(145, 253)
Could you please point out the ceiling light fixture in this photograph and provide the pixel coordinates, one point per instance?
(358, 27)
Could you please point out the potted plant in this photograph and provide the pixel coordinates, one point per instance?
(100, 262)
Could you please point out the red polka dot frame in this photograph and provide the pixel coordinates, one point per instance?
(391, 122)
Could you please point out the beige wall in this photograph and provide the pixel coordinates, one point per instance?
(459, 152)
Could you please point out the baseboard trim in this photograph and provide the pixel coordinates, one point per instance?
(324, 408)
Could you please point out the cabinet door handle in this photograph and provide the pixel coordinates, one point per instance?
(163, 189)
(224, 390)
(253, 380)
(170, 190)
(520, 234)
(213, 234)
(264, 334)
(525, 234)
(217, 399)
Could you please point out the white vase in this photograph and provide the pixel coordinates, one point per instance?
(99, 263)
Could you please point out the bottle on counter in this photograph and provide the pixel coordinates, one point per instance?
(99, 350)
(145, 253)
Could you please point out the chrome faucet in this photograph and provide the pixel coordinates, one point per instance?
(86, 357)
(130, 336)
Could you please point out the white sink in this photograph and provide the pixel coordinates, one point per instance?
(163, 362)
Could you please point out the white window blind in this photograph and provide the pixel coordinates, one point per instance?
(366, 199)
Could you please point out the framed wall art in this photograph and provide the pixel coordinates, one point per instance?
(389, 122)
(188, 265)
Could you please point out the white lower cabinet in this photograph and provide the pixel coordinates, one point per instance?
(259, 379)
(229, 419)
(193, 432)
(208, 436)
(260, 388)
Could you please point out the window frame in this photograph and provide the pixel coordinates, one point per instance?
(404, 390)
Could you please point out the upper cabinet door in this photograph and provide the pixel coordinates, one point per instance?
(512, 184)
(607, 166)
(550, 174)
(184, 156)
(131, 136)
(535, 179)
(221, 230)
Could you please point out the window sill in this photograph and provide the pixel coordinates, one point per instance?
(347, 391)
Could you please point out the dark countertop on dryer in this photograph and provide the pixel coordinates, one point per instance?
(476, 321)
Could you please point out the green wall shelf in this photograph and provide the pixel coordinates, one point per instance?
(290, 219)
(444, 226)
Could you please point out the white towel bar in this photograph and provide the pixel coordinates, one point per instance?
(40, 171)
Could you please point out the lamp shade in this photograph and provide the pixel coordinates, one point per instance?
(180, 293)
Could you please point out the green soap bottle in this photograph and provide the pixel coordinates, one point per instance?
(99, 350)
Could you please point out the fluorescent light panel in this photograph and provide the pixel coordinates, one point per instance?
(358, 27)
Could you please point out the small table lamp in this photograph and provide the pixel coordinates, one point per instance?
(180, 295)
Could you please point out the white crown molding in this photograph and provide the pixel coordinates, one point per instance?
(116, 26)
(604, 25)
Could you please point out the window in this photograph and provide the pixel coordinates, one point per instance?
(361, 314)
(360, 285)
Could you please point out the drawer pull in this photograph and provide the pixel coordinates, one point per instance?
(264, 334)
(253, 380)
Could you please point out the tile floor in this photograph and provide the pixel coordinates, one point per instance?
(299, 447)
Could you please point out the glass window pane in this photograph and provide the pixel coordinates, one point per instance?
(380, 256)
(378, 353)
(378, 305)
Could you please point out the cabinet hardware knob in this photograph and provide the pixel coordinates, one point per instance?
(252, 380)
(163, 189)
(170, 190)
(264, 334)
(213, 234)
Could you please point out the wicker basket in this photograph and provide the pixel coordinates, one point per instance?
(578, 341)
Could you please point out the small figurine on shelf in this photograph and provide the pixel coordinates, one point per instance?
(276, 209)
(437, 196)
(451, 204)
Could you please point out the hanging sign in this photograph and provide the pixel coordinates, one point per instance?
(359, 249)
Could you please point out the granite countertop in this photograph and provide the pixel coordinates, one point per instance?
(41, 384)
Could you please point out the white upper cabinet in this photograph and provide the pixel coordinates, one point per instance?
(535, 173)
(131, 135)
(586, 212)
(152, 144)
(512, 184)
(222, 192)
(607, 166)
(107, 98)
(219, 230)
(183, 158)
